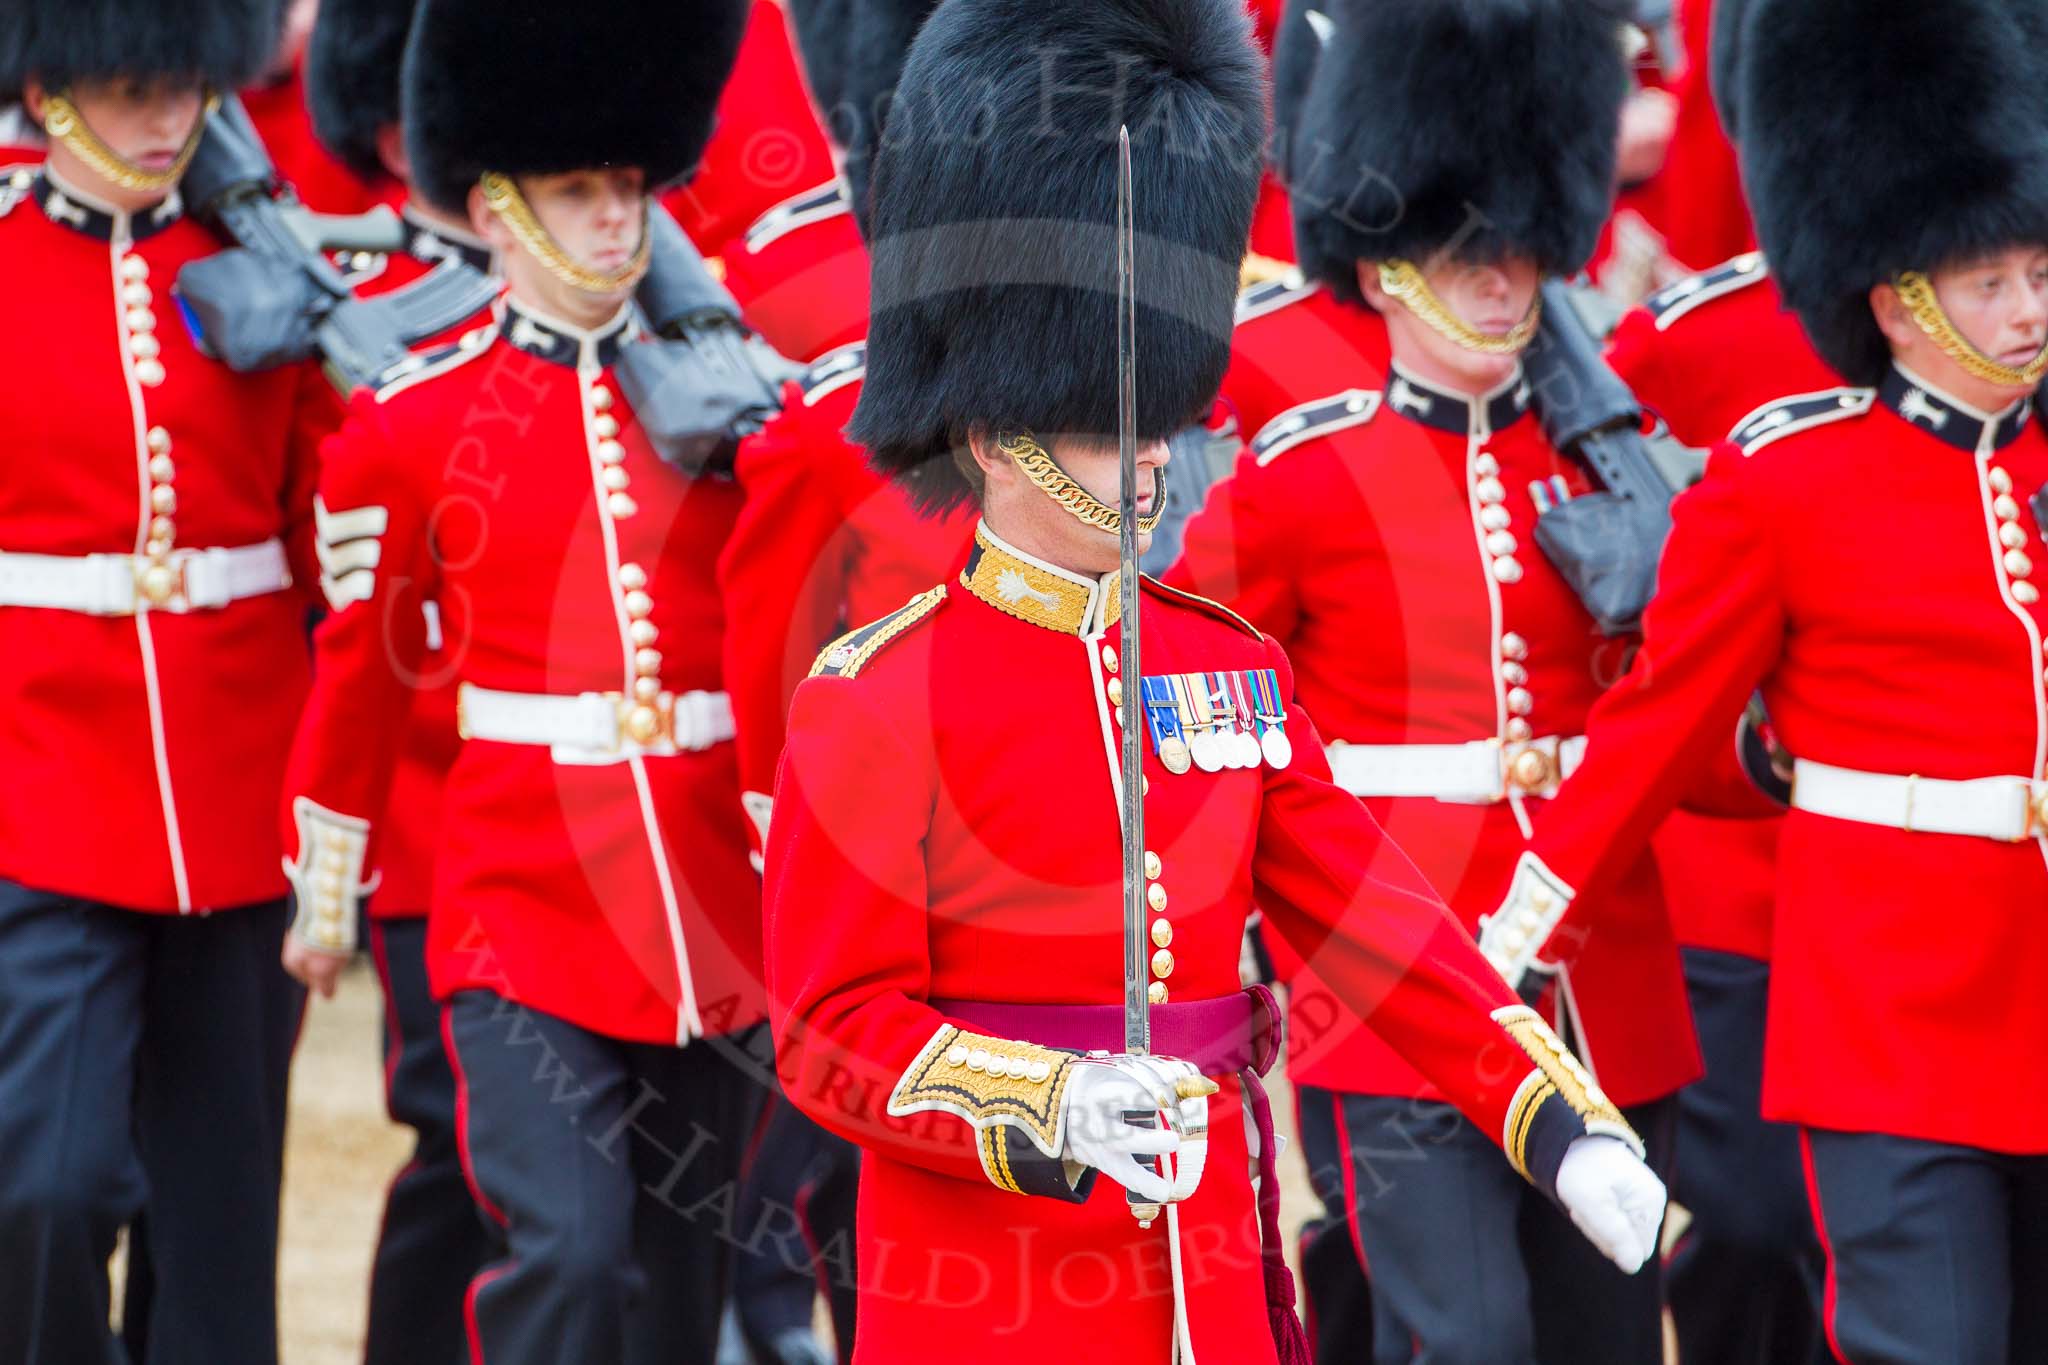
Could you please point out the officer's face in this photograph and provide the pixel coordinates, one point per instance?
(595, 217)
(146, 121)
(1490, 298)
(1999, 302)
(1023, 515)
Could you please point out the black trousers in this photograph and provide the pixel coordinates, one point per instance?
(1743, 1283)
(611, 1172)
(1470, 1265)
(1336, 1300)
(1936, 1253)
(433, 1240)
(796, 1222)
(143, 1059)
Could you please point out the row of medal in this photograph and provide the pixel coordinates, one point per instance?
(1214, 721)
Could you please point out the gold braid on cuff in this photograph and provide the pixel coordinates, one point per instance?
(1028, 455)
(1557, 1073)
(1403, 281)
(989, 1082)
(62, 121)
(1916, 291)
(502, 194)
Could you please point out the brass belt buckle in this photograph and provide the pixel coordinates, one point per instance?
(647, 723)
(1530, 769)
(159, 581)
(2035, 794)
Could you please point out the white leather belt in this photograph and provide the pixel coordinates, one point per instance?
(122, 585)
(2011, 809)
(596, 727)
(1479, 773)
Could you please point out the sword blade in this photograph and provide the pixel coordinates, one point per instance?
(1137, 1020)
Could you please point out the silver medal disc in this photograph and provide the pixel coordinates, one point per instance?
(1279, 749)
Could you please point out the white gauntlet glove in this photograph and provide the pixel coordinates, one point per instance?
(1616, 1200)
(1101, 1091)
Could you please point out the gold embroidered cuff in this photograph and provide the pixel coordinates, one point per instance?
(992, 1083)
(1558, 1075)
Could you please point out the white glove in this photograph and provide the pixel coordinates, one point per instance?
(1616, 1200)
(1101, 1090)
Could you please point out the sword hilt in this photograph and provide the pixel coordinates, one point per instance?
(1143, 1209)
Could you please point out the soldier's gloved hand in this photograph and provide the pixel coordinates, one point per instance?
(1104, 1093)
(1616, 1200)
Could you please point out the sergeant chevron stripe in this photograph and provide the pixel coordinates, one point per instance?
(349, 546)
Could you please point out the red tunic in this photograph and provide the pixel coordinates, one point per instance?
(1705, 216)
(609, 889)
(1296, 339)
(1703, 354)
(800, 274)
(1417, 609)
(1909, 983)
(322, 183)
(767, 145)
(1708, 351)
(949, 830)
(822, 544)
(412, 824)
(143, 752)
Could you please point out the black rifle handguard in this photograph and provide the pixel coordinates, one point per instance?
(1605, 543)
(705, 381)
(275, 298)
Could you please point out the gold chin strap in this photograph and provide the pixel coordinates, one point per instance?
(505, 200)
(1406, 283)
(1916, 291)
(62, 121)
(1023, 448)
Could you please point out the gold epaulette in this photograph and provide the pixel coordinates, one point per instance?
(847, 655)
(1257, 269)
(1558, 1073)
(1204, 605)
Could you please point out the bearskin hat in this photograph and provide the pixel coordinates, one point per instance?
(352, 63)
(1724, 57)
(1880, 138)
(994, 223)
(523, 87)
(853, 53)
(878, 41)
(1297, 48)
(226, 43)
(1482, 126)
(821, 28)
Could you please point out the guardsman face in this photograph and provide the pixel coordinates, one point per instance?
(1022, 514)
(1490, 297)
(1999, 302)
(145, 120)
(594, 216)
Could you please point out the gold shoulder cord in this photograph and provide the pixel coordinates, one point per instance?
(1916, 291)
(505, 200)
(62, 121)
(1406, 283)
(1044, 471)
